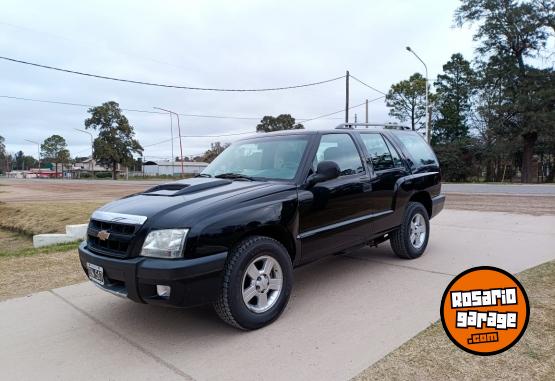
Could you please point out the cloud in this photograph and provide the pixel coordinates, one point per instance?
(205, 43)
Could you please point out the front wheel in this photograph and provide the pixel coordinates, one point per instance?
(258, 278)
(409, 241)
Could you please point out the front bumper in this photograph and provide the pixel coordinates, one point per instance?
(192, 281)
(437, 205)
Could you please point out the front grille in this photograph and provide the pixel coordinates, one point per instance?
(117, 244)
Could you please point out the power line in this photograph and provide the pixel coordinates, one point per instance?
(199, 136)
(143, 111)
(342, 110)
(128, 109)
(166, 85)
(367, 85)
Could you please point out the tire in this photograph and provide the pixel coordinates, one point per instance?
(402, 242)
(239, 284)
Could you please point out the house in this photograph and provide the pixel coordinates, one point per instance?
(90, 165)
(169, 168)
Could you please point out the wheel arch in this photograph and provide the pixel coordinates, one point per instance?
(277, 232)
(423, 198)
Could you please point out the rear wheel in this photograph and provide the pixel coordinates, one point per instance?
(409, 241)
(257, 283)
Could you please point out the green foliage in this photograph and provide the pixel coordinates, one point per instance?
(3, 155)
(517, 99)
(407, 101)
(116, 141)
(459, 159)
(279, 123)
(103, 175)
(22, 161)
(2, 146)
(454, 89)
(215, 149)
(55, 150)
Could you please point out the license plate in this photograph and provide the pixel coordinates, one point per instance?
(96, 273)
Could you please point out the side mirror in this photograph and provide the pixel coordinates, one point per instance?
(325, 171)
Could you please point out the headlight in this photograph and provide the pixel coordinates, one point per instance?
(166, 243)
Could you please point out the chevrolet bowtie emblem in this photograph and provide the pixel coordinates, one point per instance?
(103, 235)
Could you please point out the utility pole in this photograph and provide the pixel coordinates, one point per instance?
(179, 131)
(367, 111)
(347, 97)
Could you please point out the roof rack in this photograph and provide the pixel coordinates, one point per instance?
(387, 126)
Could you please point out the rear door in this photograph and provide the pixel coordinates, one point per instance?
(389, 166)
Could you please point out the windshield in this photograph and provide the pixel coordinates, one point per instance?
(272, 158)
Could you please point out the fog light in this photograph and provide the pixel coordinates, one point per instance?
(163, 291)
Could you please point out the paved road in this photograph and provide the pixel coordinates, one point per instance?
(512, 189)
(346, 312)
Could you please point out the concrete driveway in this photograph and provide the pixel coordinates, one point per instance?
(346, 312)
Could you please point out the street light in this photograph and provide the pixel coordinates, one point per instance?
(171, 132)
(38, 150)
(179, 131)
(92, 147)
(427, 107)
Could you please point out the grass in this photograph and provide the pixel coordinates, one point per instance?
(29, 251)
(44, 217)
(430, 355)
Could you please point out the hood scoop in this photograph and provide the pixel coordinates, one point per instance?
(180, 188)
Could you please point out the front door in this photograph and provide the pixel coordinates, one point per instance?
(332, 213)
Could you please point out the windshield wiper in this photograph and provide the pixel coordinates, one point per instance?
(203, 175)
(234, 176)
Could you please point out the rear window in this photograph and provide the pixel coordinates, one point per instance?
(418, 149)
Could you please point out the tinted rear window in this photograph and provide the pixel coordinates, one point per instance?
(418, 149)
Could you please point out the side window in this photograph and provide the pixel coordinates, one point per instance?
(397, 162)
(382, 157)
(418, 148)
(341, 149)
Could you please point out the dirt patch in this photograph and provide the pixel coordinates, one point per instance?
(27, 274)
(432, 356)
(69, 190)
(534, 205)
(13, 242)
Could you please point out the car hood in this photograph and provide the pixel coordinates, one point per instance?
(187, 200)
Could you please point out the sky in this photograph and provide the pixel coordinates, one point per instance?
(224, 44)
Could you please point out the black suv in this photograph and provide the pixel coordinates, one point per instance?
(232, 235)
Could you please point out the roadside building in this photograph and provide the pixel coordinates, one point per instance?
(169, 168)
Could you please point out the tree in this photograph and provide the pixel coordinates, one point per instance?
(215, 149)
(55, 150)
(281, 122)
(510, 31)
(407, 100)
(116, 141)
(545, 10)
(3, 158)
(454, 89)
